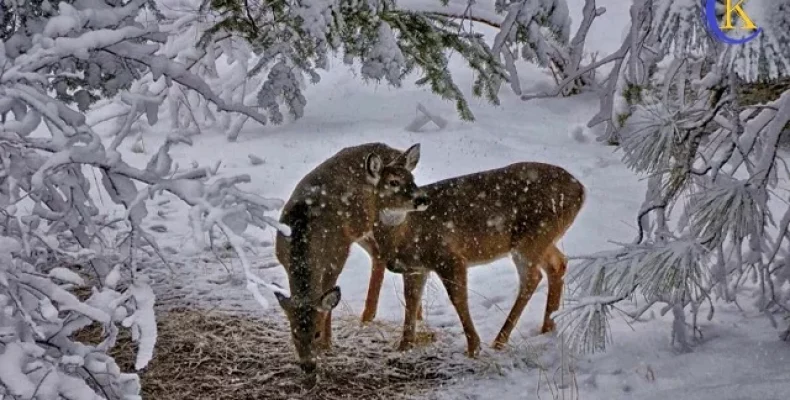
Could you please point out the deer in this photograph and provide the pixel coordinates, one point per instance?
(521, 210)
(331, 208)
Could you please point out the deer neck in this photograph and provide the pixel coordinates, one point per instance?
(390, 231)
(304, 274)
(391, 218)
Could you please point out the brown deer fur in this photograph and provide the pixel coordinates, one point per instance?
(331, 208)
(520, 210)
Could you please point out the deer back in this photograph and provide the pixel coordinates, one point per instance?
(482, 216)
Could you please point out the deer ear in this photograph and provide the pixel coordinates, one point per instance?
(329, 300)
(373, 167)
(409, 158)
(285, 301)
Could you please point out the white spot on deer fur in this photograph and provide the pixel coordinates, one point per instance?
(391, 217)
(308, 201)
(449, 225)
(481, 195)
(345, 198)
(532, 175)
(562, 200)
(526, 189)
(553, 205)
(497, 222)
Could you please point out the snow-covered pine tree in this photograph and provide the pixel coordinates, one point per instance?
(393, 38)
(224, 62)
(540, 29)
(54, 238)
(631, 66)
(294, 40)
(707, 227)
(536, 31)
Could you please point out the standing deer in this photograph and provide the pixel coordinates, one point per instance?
(332, 207)
(522, 210)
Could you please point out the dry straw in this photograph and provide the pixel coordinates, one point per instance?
(219, 356)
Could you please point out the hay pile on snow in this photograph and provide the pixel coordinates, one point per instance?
(219, 356)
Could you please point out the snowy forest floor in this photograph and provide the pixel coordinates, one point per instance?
(739, 357)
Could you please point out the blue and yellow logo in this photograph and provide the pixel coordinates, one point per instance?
(731, 9)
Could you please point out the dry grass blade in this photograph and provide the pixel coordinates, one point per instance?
(219, 356)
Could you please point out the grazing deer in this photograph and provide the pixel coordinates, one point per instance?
(522, 210)
(332, 207)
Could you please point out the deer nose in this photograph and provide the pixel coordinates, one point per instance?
(421, 201)
(308, 367)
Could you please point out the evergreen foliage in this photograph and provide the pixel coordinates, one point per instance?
(390, 41)
(707, 223)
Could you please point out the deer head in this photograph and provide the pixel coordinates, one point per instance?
(396, 193)
(303, 316)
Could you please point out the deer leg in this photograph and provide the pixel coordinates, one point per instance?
(555, 266)
(529, 278)
(325, 337)
(330, 280)
(413, 286)
(374, 291)
(453, 276)
(376, 281)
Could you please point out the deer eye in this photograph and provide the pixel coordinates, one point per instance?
(394, 183)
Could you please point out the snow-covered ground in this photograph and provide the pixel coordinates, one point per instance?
(739, 358)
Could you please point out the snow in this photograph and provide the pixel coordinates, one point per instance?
(66, 275)
(739, 357)
(143, 322)
(11, 376)
(385, 59)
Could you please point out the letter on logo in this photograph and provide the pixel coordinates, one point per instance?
(748, 24)
(718, 32)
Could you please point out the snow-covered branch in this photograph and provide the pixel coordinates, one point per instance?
(706, 223)
(55, 241)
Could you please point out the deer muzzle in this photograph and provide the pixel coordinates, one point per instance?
(421, 202)
(308, 366)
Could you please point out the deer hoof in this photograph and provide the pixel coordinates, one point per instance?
(368, 318)
(548, 327)
(405, 345)
(473, 349)
(472, 353)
